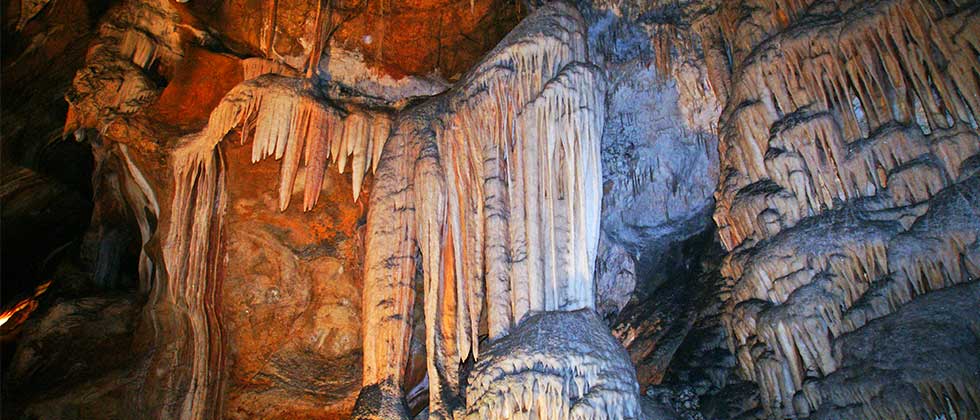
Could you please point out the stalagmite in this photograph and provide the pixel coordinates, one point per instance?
(556, 365)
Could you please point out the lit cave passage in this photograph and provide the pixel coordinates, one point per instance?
(490, 209)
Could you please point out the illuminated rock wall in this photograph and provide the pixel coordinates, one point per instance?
(447, 220)
(848, 195)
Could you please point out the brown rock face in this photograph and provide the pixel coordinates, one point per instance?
(399, 38)
(290, 298)
(420, 37)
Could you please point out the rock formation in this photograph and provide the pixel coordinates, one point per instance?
(497, 184)
(489, 209)
(848, 131)
(555, 365)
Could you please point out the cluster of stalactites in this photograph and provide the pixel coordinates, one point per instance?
(521, 157)
(542, 177)
(846, 152)
(506, 184)
(289, 119)
(887, 68)
(516, 197)
(522, 210)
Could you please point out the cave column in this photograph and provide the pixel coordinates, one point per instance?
(389, 266)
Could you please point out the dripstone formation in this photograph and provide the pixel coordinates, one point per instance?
(610, 209)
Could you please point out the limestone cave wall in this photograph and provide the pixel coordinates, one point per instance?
(616, 209)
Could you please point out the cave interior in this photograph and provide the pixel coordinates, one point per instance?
(490, 209)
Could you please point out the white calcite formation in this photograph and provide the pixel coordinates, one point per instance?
(847, 199)
(497, 184)
(555, 365)
(288, 118)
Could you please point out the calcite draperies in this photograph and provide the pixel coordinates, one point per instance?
(847, 137)
(497, 182)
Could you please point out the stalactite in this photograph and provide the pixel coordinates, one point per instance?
(779, 277)
(295, 123)
(797, 77)
(851, 116)
(138, 47)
